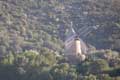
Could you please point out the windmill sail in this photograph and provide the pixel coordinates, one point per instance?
(70, 34)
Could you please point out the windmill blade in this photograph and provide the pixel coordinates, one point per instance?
(72, 28)
(81, 29)
(69, 39)
(73, 31)
(85, 31)
(67, 44)
(93, 28)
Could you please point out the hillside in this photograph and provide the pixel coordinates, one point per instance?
(31, 24)
(32, 34)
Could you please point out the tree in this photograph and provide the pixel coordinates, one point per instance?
(90, 77)
(3, 50)
(64, 72)
(99, 66)
(105, 77)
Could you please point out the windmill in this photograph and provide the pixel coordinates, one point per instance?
(75, 47)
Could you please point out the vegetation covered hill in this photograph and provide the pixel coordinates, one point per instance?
(31, 65)
(103, 16)
(32, 33)
(29, 24)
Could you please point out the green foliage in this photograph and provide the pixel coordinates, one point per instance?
(99, 65)
(90, 77)
(32, 33)
(29, 65)
(8, 59)
(64, 72)
(32, 65)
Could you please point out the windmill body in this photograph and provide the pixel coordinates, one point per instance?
(75, 48)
